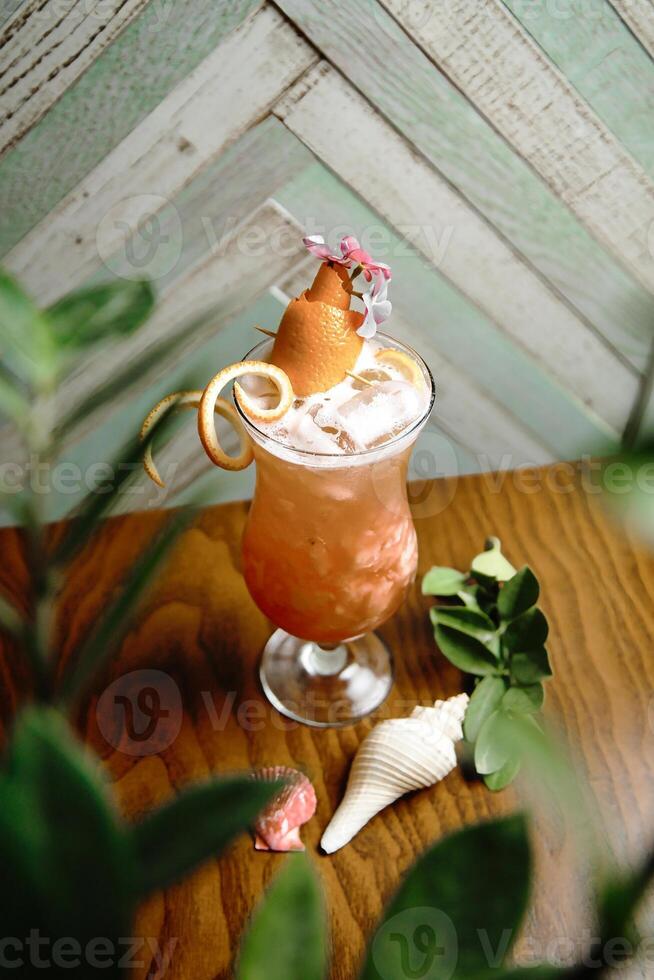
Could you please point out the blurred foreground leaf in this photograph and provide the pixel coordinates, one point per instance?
(67, 867)
(173, 840)
(26, 343)
(627, 482)
(464, 900)
(286, 940)
(88, 316)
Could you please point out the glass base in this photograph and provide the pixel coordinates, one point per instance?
(326, 687)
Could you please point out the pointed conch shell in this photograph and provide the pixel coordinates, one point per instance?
(399, 755)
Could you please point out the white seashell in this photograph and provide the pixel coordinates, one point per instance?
(399, 755)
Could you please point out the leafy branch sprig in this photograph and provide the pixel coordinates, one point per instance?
(492, 628)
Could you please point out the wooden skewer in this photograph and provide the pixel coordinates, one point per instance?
(357, 377)
(269, 333)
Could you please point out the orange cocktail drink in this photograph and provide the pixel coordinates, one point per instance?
(329, 552)
(330, 549)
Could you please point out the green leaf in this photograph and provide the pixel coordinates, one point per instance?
(626, 484)
(544, 760)
(496, 781)
(449, 911)
(485, 699)
(493, 750)
(524, 700)
(26, 343)
(91, 315)
(527, 632)
(618, 898)
(491, 563)
(471, 621)
(10, 619)
(468, 597)
(530, 667)
(13, 403)
(62, 845)
(442, 581)
(519, 594)
(286, 940)
(173, 840)
(464, 651)
(115, 620)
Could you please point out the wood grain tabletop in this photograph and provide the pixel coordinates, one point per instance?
(198, 638)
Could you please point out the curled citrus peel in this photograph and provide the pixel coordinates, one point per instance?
(403, 363)
(192, 399)
(317, 340)
(206, 427)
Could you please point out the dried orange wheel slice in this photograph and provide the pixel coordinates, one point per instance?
(403, 363)
(192, 399)
(260, 369)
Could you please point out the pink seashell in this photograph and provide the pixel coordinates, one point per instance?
(278, 826)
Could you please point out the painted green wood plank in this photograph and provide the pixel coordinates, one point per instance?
(465, 336)
(403, 84)
(638, 15)
(600, 56)
(150, 166)
(126, 82)
(216, 201)
(214, 205)
(8, 8)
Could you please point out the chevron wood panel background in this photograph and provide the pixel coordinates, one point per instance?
(499, 155)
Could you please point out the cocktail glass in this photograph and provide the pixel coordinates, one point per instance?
(329, 554)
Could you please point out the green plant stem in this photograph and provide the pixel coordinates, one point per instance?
(42, 447)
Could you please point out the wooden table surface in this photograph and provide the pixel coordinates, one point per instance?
(200, 627)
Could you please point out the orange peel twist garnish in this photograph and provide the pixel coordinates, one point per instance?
(192, 399)
(317, 340)
(206, 427)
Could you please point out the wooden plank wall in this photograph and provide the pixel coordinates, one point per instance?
(499, 155)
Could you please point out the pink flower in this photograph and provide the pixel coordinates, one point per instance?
(316, 245)
(351, 255)
(378, 307)
(358, 256)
